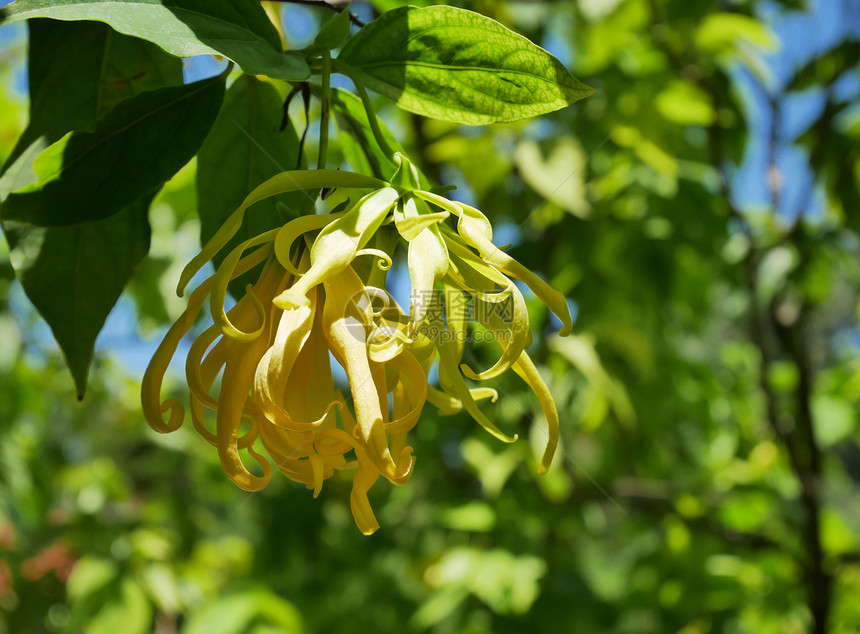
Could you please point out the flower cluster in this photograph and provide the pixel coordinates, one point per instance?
(312, 302)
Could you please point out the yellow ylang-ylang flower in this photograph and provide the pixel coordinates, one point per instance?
(316, 300)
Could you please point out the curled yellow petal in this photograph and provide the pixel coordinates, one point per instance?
(384, 261)
(238, 377)
(150, 386)
(475, 229)
(336, 245)
(272, 275)
(365, 477)
(404, 419)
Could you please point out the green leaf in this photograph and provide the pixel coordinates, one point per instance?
(90, 575)
(134, 149)
(458, 66)
(76, 73)
(243, 149)
(685, 104)
(720, 33)
(560, 177)
(237, 29)
(128, 610)
(478, 517)
(74, 274)
(234, 614)
(359, 148)
(834, 420)
(333, 33)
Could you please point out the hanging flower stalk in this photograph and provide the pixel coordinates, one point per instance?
(310, 304)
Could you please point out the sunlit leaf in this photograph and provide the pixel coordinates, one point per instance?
(721, 32)
(685, 104)
(460, 66)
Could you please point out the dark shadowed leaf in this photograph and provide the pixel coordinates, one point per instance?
(236, 29)
(77, 72)
(333, 33)
(243, 149)
(133, 149)
(74, 274)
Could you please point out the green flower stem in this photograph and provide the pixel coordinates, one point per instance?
(368, 108)
(325, 108)
(373, 121)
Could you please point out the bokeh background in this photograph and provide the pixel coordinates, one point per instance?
(701, 212)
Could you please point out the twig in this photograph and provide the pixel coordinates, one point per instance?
(325, 108)
(823, 127)
(325, 5)
(819, 580)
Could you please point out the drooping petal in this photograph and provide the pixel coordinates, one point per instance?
(473, 276)
(292, 231)
(408, 368)
(238, 378)
(287, 451)
(273, 370)
(427, 260)
(241, 360)
(526, 369)
(448, 404)
(345, 329)
(365, 477)
(309, 393)
(475, 229)
(451, 379)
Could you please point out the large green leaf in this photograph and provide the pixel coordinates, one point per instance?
(236, 29)
(243, 149)
(74, 274)
(459, 66)
(133, 149)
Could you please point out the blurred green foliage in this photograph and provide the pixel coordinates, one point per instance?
(709, 395)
